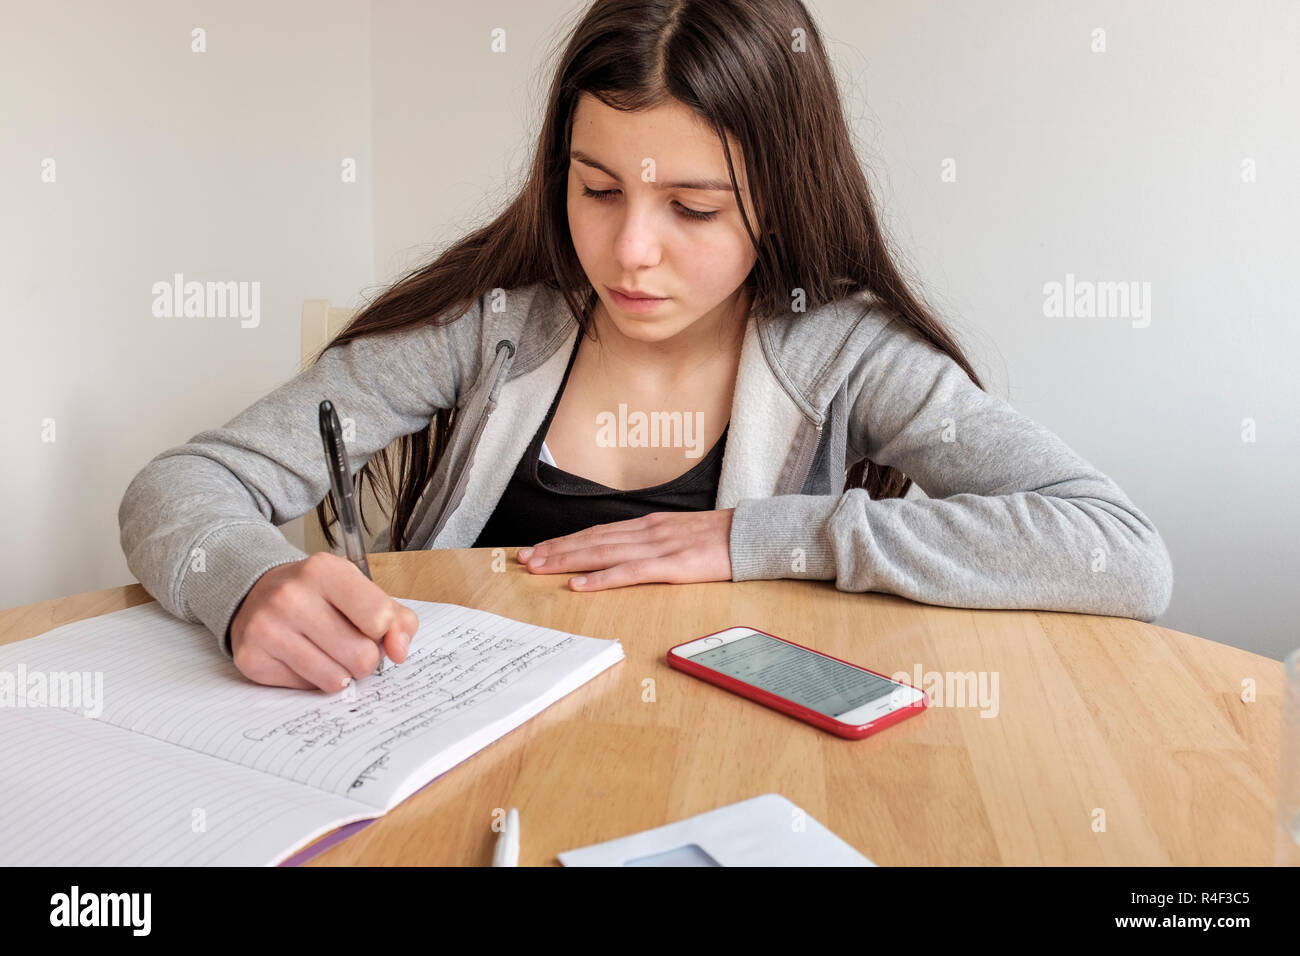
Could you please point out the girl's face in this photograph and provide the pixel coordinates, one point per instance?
(664, 222)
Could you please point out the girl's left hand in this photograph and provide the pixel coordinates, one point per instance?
(674, 547)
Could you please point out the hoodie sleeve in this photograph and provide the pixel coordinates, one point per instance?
(199, 523)
(1014, 518)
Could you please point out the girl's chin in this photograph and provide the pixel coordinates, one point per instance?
(647, 328)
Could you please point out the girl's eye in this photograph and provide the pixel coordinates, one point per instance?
(606, 194)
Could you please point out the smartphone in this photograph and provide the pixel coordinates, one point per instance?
(824, 691)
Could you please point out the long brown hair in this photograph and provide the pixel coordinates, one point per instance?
(756, 69)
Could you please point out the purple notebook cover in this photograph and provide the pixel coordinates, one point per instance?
(339, 835)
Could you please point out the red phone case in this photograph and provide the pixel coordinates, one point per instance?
(789, 707)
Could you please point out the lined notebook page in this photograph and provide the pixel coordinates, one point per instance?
(79, 792)
(470, 676)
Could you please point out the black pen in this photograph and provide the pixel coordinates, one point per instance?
(336, 463)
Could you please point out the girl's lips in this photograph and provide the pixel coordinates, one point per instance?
(634, 305)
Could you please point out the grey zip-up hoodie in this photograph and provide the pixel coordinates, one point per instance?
(1014, 518)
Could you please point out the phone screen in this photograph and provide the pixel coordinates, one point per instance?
(827, 686)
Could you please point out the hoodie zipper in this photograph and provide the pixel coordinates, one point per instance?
(805, 461)
(810, 451)
(458, 489)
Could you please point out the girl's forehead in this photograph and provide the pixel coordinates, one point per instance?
(686, 151)
(671, 123)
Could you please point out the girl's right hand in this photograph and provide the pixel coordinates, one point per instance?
(318, 622)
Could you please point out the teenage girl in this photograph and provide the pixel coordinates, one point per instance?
(693, 173)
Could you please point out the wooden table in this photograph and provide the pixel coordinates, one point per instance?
(1094, 715)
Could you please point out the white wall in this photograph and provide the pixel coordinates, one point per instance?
(1117, 166)
(1123, 165)
(222, 166)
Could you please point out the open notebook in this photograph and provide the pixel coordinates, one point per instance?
(189, 763)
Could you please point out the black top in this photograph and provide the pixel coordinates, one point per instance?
(542, 501)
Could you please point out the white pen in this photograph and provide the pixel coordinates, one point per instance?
(507, 849)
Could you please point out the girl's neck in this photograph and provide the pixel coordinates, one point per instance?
(670, 363)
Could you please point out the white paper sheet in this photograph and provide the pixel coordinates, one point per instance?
(763, 831)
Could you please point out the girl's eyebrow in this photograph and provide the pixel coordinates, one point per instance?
(707, 185)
